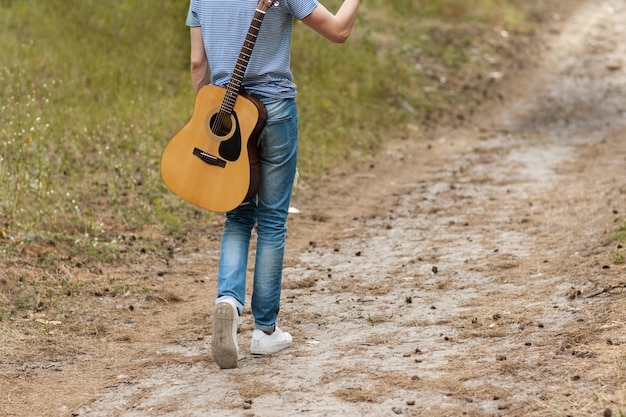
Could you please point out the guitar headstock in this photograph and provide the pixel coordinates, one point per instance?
(264, 5)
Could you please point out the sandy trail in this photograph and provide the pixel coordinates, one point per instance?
(469, 275)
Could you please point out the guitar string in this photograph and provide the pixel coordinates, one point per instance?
(230, 98)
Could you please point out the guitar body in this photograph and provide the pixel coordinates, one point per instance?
(216, 171)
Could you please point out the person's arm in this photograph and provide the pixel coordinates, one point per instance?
(335, 27)
(200, 71)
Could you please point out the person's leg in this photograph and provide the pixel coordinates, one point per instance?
(233, 266)
(231, 283)
(278, 149)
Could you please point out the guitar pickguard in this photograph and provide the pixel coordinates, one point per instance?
(228, 137)
(230, 149)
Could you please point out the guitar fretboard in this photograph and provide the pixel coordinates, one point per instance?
(234, 85)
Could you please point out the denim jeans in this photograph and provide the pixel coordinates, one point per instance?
(278, 151)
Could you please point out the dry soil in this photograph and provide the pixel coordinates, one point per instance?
(472, 274)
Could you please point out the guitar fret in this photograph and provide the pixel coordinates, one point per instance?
(236, 79)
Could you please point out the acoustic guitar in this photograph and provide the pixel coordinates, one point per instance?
(212, 161)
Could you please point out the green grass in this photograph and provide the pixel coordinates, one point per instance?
(618, 257)
(409, 64)
(90, 93)
(620, 234)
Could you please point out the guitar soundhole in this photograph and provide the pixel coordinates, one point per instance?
(221, 125)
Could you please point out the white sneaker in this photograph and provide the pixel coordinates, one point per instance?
(265, 344)
(224, 344)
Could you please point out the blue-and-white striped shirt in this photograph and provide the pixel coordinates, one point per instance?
(225, 24)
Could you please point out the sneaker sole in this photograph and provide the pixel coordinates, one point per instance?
(223, 346)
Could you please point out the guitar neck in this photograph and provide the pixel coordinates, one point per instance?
(234, 85)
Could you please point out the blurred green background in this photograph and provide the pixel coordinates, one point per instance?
(92, 91)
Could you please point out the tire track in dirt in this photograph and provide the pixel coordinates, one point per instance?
(462, 279)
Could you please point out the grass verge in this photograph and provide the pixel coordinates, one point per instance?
(92, 93)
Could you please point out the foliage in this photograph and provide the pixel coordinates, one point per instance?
(90, 96)
(618, 257)
(92, 91)
(620, 234)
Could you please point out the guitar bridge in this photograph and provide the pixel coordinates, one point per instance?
(208, 158)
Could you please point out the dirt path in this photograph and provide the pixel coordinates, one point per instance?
(470, 275)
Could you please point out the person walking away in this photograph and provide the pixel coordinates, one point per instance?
(217, 30)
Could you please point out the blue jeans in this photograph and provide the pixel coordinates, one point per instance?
(278, 151)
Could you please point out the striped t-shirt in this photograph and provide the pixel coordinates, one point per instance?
(225, 24)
